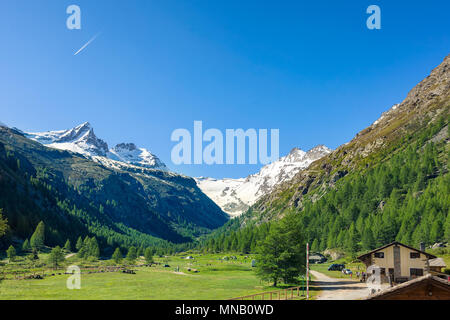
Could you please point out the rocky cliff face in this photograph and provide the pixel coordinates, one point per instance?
(424, 104)
(235, 196)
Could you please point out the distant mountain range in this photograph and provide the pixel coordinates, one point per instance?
(72, 182)
(235, 196)
(77, 185)
(83, 140)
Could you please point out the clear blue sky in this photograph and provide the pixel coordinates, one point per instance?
(310, 68)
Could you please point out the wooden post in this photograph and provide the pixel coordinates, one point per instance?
(307, 271)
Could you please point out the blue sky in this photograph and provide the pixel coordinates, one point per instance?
(309, 68)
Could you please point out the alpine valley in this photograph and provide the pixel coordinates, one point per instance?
(124, 196)
(391, 182)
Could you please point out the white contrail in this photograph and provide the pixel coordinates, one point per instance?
(87, 43)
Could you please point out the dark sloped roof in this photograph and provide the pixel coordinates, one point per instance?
(436, 280)
(399, 244)
(438, 262)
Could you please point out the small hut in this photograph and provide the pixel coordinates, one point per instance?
(427, 287)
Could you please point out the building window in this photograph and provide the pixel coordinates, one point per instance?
(379, 255)
(416, 272)
(414, 255)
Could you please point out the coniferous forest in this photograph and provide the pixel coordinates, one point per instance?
(405, 197)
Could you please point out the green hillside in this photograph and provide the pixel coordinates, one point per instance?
(391, 182)
(75, 196)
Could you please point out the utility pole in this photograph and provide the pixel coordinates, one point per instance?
(307, 271)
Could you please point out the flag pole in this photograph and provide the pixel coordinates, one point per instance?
(307, 271)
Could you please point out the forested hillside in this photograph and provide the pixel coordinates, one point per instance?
(389, 183)
(75, 196)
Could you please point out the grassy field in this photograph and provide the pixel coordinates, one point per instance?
(215, 279)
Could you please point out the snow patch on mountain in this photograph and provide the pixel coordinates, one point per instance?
(384, 114)
(83, 140)
(235, 196)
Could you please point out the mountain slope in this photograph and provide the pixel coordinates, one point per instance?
(235, 196)
(423, 107)
(136, 205)
(391, 182)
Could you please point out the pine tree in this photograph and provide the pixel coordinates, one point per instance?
(148, 254)
(93, 248)
(315, 245)
(132, 255)
(56, 256)
(26, 246)
(117, 256)
(3, 224)
(79, 244)
(68, 246)
(11, 253)
(282, 254)
(447, 227)
(436, 232)
(140, 251)
(368, 243)
(38, 238)
(351, 242)
(86, 242)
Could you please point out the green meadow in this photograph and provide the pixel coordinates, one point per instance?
(210, 277)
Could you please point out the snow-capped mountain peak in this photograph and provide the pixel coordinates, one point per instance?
(129, 153)
(295, 155)
(234, 196)
(80, 139)
(83, 140)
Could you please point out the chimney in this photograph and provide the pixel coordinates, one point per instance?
(422, 246)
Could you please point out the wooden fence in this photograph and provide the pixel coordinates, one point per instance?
(284, 294)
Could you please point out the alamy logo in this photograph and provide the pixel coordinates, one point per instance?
(74, 20)
(374, 21)
(74, 281)
(214, 152)
(373, 281)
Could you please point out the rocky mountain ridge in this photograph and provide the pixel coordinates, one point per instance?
(235, 196)
(83, 140)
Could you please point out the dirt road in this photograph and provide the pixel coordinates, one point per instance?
(339, 289)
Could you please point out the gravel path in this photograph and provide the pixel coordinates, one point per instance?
(339, 289)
